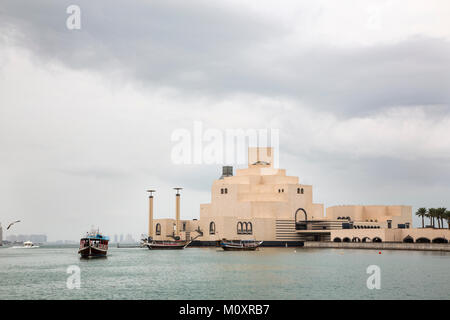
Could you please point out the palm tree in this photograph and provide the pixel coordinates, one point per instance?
(431, 214)
(447, 217)
(437, 214)
(421, 212)
(440, 216)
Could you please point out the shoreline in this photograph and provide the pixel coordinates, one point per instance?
(443, 247)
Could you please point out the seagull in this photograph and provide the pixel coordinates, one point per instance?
(12, 224)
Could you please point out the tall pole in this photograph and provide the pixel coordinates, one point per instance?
(177, 199)
(150, 214)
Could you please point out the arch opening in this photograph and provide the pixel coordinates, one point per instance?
(212, 227)
(408, 239)
(440, 240)
(423, 240)
(304, 212)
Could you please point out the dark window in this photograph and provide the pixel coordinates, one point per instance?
(301, 191)
(184, 226)
(212, 228)
(158, 229)
(244, 227)
(239, 227)
(298, 190)
(226, 190)
(249, 228)
(221, 191)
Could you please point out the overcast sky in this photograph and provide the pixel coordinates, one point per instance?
(360, 91)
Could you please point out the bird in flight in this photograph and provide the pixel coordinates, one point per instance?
(12, 224)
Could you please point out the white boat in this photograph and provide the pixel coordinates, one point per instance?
(26, 245)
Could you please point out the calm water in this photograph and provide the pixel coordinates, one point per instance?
(209, 273)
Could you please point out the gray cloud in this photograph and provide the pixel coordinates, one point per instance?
(204, 48)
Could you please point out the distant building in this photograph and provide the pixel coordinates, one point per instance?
(121, 238)
(115, 238)
(1, 235)
(129, 239)
(36, 238)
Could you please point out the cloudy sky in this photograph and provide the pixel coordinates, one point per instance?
(360, 91)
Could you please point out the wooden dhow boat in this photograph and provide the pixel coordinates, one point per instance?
(167, 245)
(240, 245)
(94, 244)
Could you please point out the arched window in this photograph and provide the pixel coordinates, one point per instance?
(301, 191)
(376, 239)
(249, 228)
(212, 228)
(158, 229)
(337, 239)
(244, 227)
(346, 239)
(226, 190)
(221, 191)
(239, 227)
(298, 190)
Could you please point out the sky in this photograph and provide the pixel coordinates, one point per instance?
(359, 91)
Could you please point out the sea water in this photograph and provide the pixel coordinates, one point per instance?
(210, 273)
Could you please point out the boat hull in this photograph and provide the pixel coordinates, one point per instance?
(89, 251)
(167, 245)
(230, 246)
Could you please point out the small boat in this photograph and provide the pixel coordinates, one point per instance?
(94, 244)
(240, 245)
(27, 245)
(167, 245)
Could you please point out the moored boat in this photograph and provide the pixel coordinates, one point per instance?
(167, 245)
(94, 244)
(240, 245)
(27, 245)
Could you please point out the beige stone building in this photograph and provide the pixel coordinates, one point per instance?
(262, 202)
